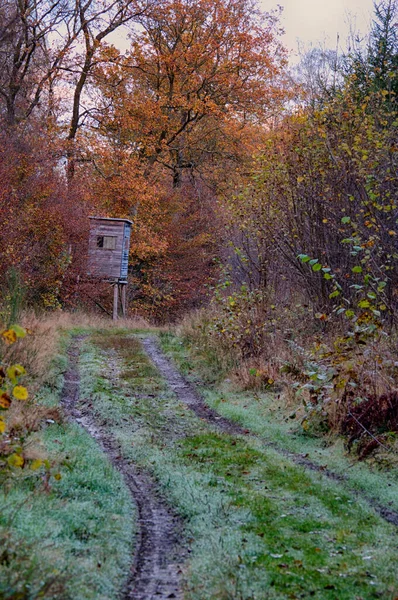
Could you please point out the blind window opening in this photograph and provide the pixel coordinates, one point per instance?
(108, 242)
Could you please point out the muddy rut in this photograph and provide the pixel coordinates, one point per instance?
(156, 565)
(187, 394)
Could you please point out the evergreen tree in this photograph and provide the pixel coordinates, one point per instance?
(375, 69)
(383, 48)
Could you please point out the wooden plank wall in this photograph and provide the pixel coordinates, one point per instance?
(125, 252)
(101, 261)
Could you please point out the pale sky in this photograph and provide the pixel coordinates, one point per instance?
(310, 22)
(319, 21)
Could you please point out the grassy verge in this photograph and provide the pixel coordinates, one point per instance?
(72, 539)
(267, 415)
(258, 526)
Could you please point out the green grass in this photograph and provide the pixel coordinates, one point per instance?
(266, 415)
(73, 541)
(258, 525)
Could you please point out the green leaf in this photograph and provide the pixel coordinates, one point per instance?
(346, 220)
(334, 294)
(317, 267)
(303, 257)
(19, 331)
(349, 313)
(364, 304)
(356, 269)
(327, 276)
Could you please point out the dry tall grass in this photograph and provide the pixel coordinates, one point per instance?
(255, 371)
(36, 351)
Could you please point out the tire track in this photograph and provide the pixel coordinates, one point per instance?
(187, 394)
(156, 566)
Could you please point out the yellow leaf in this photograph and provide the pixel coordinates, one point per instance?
(36, 464)
(15, 371)
(57, 476)
(15, 460)
(5, 400)
(300, 179)
(2, 426)
(9, 336)
(20, 392)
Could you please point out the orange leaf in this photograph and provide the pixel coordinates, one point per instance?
(5, 400)
(9, 336)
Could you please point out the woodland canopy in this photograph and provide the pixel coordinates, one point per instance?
(232, 168)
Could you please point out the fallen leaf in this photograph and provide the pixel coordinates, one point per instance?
(5, 400)
(9, 336)
(20, 392)
(15, 460)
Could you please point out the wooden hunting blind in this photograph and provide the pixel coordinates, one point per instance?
(108, 255)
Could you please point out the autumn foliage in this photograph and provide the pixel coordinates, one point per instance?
(154, 134)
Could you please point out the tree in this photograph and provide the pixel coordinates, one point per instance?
(383, 48)
(39, 217)
(198, 73)
(27, 60)
(37, 40)
(96, 21)
(179, 115)
(375, 68)
(319, 75)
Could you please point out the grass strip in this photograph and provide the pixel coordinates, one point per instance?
(72, 540)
